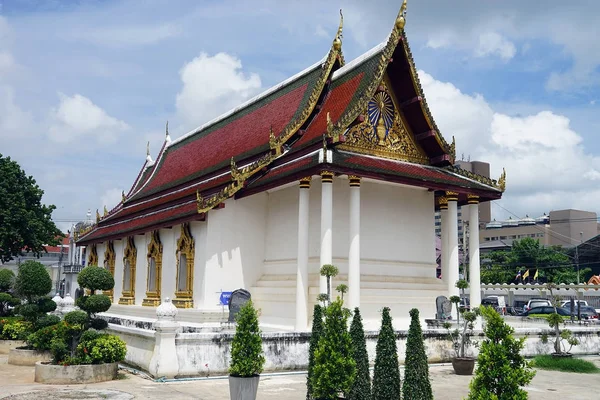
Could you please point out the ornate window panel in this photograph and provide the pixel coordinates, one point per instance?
(185, 269)
(129, 261)
(153, 281)
(109, 264)
(93, 257)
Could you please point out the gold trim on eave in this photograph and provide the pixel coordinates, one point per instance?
(452, 196)
(443, 202)
(472, 199)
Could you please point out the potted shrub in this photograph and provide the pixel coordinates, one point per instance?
(334, 368)
(247, 359)
(461, 339)
(554, 321)
(80, 352)
(32, 285)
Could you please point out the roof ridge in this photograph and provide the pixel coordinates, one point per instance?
(358, 60)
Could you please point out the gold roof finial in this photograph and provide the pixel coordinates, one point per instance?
(105, 211)
(97, 216)
(401, 18)
(123, 196)
(337, 42)
(502, 180)
(453, 149)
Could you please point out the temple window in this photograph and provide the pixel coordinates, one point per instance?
(153, 282)
(185, 269)
(129, 264)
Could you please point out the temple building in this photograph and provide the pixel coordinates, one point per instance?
(340, 164)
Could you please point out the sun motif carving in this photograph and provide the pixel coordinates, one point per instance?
(381, 115)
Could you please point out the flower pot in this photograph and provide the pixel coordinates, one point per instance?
(463, 366)
(7, 345)
(243, 388)
(74, 374)
(21, 356)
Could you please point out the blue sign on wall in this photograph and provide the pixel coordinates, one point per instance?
(225, 296)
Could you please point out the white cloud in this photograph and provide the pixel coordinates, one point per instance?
(546, 163)
(14, 122)
(213, 85)
(110, 198)
(123, 36)
(77, 117)
(492, 43)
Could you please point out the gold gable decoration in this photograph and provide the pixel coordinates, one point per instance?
(93, 257)
(383, 132)
(153, 283)
(129, 264)
(185, 247)
(109, 264)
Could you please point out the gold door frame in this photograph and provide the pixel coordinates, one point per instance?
(185, 245)
(109, 261)
(155, 250)
(130, 254)
(93, 256)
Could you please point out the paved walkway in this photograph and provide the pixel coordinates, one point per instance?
(17, 383)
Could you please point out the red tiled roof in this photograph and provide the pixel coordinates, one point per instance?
(148, 221)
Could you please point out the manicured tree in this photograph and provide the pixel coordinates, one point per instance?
(315, 335)
(32, 284)
(501, 369)
(329, 271)
(95, 278)
(361, 388)
(416, 385)
(247, 357)
(342, 289)
(7, 280)
(334, 368)
(386, 376)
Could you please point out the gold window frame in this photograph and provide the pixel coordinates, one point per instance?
(109, 263)
(93, 256)
(130, 254)
(185, 245)
(155, 250)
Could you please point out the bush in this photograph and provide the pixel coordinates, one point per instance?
(77, 318)
(42, 339)
(334, 368)
(94, 303)
(7, 280)
(32, 280)
(416, 385)
(317, 331)
(47, 320)
(501, 369)
(101, 349)
(386, 376)
(59, 350)
(14, 330)
(6, 301)
(95, 278)
(46, 305)
(98, 324)
(361, 388)
(565, 364)
(246, 348)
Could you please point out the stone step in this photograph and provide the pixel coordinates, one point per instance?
(149, 314)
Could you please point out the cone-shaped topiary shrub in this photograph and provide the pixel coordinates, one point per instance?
(361, 388)
(317, 330)
(247, 357)
(334, 368)
(386, 376)
(416, 385)
(501, 369)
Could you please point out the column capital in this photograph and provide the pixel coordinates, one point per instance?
(443, 202)
(305, 182)
(452, 196)
(326, 176)
(472, 199)
(354, 180)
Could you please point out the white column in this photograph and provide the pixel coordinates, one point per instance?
(326, 225)
(354, 254)
(474, 267)
(452, 243)
(444, 239)
(302, 271)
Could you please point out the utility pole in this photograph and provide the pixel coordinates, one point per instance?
(577, 256)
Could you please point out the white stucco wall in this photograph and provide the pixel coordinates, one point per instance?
(141, 266)
(198, 231)
(235, 243)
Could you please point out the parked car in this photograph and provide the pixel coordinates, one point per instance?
(586, 312)
(545, 310)
(567, 303)
(533, 303)
(490, 301)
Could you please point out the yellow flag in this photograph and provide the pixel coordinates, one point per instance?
(526, 274)
(536, 275)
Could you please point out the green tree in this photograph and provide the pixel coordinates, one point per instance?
(501, 369)
(386, 376)
(361, 388)
(315, 335)
(416, 385)
(247, 357)
(7, 280)
(33, 283)
(329, 271)
(25, 223)
(334, 368)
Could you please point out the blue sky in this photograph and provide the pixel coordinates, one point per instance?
(85, 84)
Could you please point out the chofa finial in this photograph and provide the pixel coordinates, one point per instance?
(401, 18)
(502, 180)
(167, 136)
(148, 148)
(337, 42)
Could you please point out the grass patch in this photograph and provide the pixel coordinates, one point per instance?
(545, 316)
(565, 364)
